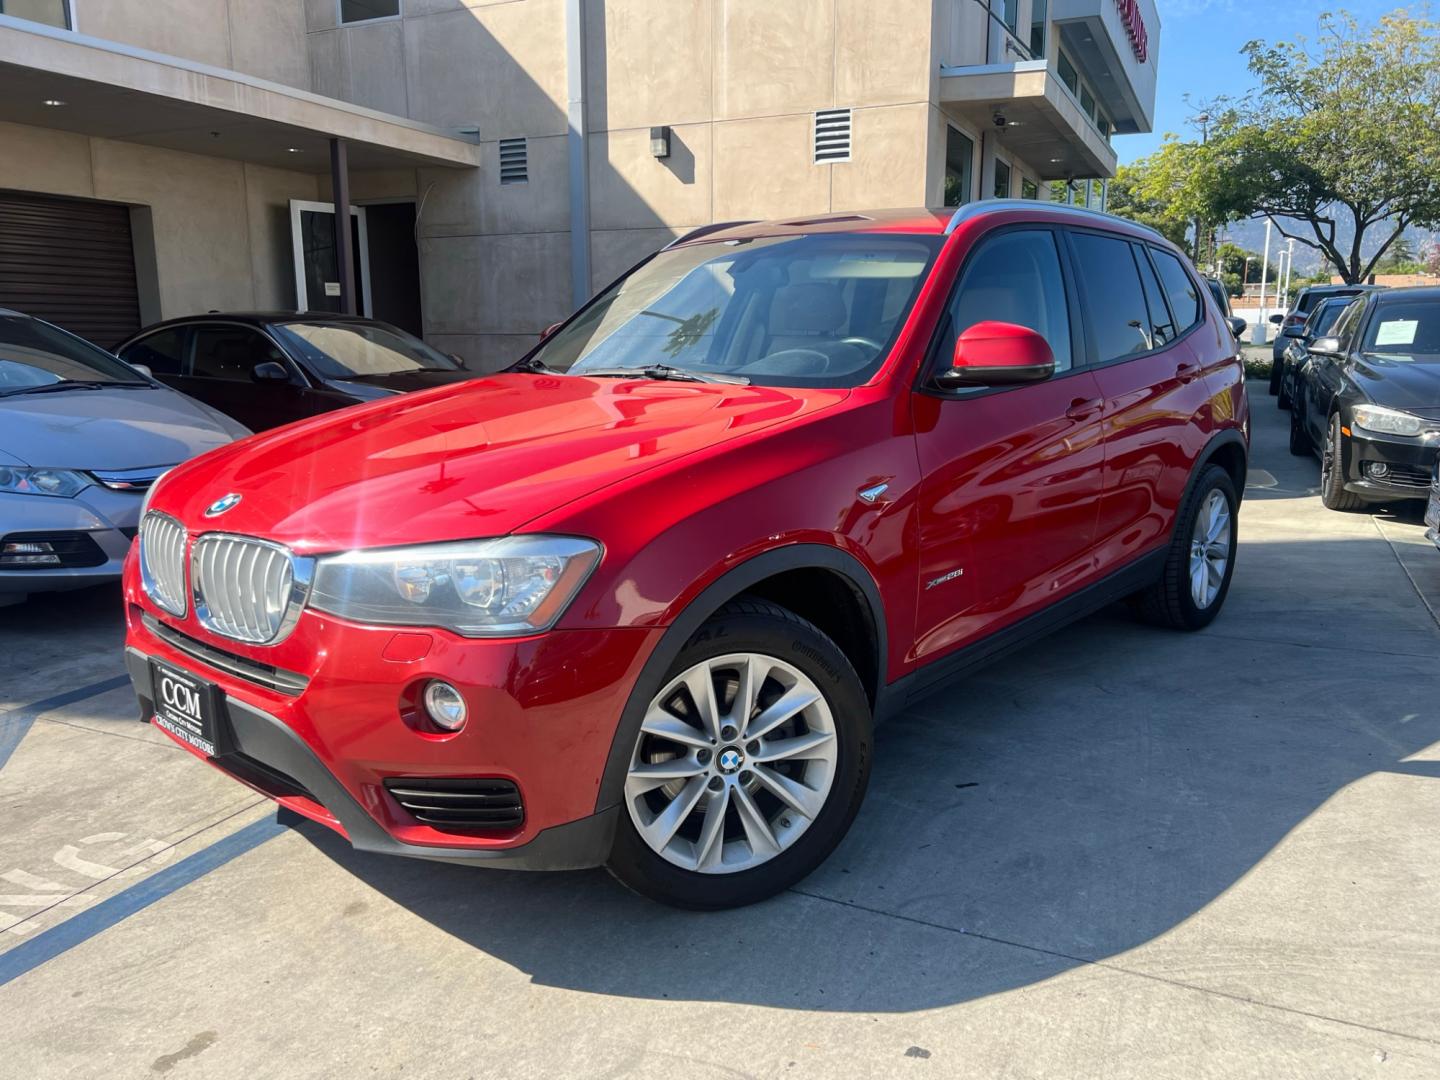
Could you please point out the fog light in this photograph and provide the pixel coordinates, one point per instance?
(445, 706)
(1378, 469)
(28, 553)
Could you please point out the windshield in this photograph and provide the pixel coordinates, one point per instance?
(1407, 330)
(34, 354)
(778, 311)
(336, 350)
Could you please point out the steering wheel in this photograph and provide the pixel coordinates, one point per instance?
(798, 361)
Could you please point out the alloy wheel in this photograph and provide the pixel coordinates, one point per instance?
(735, 760)
(1209, 549)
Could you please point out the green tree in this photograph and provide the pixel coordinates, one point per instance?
(1340, 142)
(1137, 192)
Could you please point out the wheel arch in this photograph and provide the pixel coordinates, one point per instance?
(774, 575)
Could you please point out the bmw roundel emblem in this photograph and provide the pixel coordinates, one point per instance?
(730, 760)
(220, 505)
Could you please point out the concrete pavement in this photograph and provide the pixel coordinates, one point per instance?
(1124, 853)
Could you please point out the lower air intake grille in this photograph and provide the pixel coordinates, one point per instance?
(445, 803)
(1409, 476)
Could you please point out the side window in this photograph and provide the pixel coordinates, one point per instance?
(1162, 327)
(1344, 327)
(1015, 277)
(1114, 297)
(162, 352)
(230, 352)
(1180, 287)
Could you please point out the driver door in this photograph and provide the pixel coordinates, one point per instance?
(1010, 486)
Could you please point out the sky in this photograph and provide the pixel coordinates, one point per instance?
(1200, 42)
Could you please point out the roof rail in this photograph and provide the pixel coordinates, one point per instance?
(705, 230)
(987, 206)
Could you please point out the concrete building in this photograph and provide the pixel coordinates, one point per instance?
(505, 158)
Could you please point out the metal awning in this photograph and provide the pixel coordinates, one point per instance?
(1044, 124)
(116, 92)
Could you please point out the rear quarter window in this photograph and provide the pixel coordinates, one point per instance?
(1181, 289)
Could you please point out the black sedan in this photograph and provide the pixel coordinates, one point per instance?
(270, 368)
(1298, 339)
(1368, 398)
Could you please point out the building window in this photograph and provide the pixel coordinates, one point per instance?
(354, 11)
(50, 12)
(1028, 188)
(959, 167)
(514, 161)
(1068, 75)
(1002, 179)
(1010, 14)
(1038, 12)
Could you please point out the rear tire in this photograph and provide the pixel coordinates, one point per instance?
(735, 839)
(1332, 473)
(1275, 369)
(1204, 543)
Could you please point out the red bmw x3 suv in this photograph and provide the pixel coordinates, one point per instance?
(638, 600)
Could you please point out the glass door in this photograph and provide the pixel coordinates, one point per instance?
(317, 273)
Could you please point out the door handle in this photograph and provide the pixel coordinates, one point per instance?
(1081, 408)
(1187, 372)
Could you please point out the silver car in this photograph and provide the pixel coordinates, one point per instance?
(82, 436)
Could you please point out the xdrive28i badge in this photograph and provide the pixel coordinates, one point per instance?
(220, 505)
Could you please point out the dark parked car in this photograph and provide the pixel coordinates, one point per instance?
(270, 368)
(1305, 302)
(1368, 398)
(1298, 339)
(1222, 301)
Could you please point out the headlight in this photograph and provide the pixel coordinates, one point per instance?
(61, 483)
(1386, 421)
(479, 588)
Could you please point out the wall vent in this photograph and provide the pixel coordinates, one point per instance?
(514, 161)
(832, 136)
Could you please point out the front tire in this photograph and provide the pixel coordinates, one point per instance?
(1332, 472)
(750, 764)
(1201, 559)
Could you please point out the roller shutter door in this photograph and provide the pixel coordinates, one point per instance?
(69, 262)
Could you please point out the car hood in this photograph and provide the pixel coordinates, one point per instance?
(473, 460)
(374, 387)
(1410, 385)
(110, 429)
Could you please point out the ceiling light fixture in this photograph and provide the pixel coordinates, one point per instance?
(52, 102)
(293, 150)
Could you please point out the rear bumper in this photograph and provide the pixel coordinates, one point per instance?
(1408, 463)
(271, 758)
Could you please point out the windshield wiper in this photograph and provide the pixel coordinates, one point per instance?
(663, 371)
(531, 363)
(69, 384)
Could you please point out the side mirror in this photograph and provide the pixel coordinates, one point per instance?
(550, 329)
(1295, 330)
(144, 369)
(1325, 346)
(1277, 319)
(269, 371)
(998, 354)
(1238, 326)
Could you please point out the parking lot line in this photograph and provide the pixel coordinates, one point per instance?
(82, 927)
(15, 723)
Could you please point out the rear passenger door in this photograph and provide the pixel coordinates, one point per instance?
(1010, 475)
(1143, 310)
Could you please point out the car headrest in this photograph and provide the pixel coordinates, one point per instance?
(809, 307)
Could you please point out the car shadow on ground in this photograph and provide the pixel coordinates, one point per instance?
(1063, 806)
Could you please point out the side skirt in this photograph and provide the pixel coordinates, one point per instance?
(920, 683)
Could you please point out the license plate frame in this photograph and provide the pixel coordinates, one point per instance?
(189, 708)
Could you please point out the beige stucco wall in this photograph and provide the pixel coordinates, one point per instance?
(264, 38)
(737, 81)
(221, 228)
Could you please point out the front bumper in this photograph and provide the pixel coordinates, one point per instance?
(319, 723)
(107, 518)
(1408, 463)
